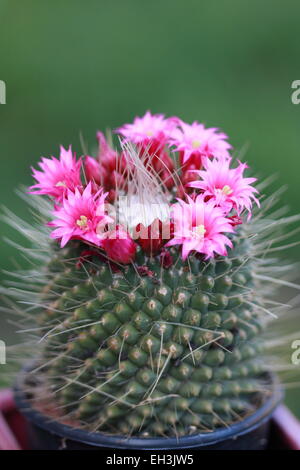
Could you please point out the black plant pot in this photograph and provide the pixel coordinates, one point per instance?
(44, 433)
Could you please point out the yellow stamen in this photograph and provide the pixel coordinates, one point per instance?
(61, 184)
(149, 133)
(196, 144)
(82, 222)
(226, 190)
(199, 231)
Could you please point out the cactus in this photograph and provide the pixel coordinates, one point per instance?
(163, 345)
(177, 349)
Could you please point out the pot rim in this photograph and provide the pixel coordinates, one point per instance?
(97, 439)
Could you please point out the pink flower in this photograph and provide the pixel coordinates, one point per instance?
(107, 156)
(57, 176)
(150, 127)
(226, 186)
(151, 133)
(110, 167)
(194, 141)
(200, 226)
(81, 216)
(119, 246)
(92, 169)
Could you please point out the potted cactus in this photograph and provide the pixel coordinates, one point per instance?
(149, 295)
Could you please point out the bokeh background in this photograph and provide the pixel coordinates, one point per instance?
(73, 67)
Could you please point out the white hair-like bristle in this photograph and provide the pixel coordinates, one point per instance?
(146, 198)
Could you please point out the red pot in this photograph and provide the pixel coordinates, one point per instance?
(12, 426)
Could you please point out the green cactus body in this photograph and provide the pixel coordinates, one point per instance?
(170, 352)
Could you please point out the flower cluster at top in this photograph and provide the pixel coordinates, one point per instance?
(204, 194)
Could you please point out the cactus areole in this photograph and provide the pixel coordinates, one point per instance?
(150, 290)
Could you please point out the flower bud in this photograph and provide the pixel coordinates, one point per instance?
(119, 246)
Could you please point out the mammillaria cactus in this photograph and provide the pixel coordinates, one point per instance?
(152, 293)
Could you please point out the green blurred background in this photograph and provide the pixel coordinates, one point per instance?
(72, 66)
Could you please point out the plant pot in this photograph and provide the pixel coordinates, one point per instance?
(44, 433)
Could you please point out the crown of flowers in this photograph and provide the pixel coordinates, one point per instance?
(171, 183)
